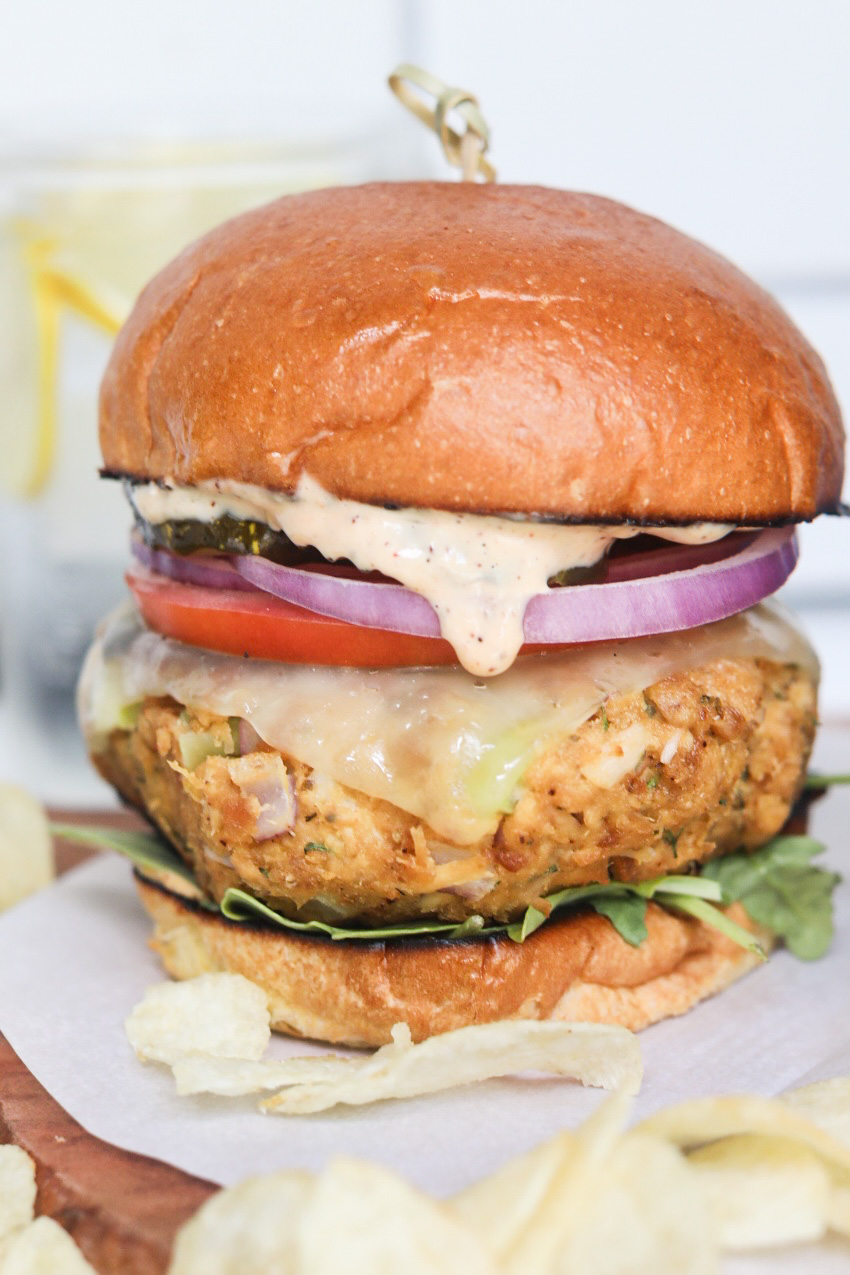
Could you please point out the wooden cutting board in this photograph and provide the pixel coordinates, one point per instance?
(123, 1210)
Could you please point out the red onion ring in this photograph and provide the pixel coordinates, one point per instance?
(654, 592)
(666, 603)
(662, 557)
(214, 571)
(373, 605)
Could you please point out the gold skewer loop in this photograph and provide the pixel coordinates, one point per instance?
(462, 150)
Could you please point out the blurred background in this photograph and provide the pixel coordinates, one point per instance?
(125, 131)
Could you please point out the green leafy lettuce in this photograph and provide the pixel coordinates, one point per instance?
(142, 848)
(777, 885)
(625, 907)
(782, 890)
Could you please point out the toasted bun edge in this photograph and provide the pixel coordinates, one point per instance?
(353, 993)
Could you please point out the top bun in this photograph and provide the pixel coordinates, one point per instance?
(485, 348)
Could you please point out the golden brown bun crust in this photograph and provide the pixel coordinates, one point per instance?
(578, 970)
(425, 343)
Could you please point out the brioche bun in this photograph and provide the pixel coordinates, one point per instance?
(576, 969)
(420, 344)
(481, 349)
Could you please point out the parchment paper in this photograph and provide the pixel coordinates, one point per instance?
(74, 961)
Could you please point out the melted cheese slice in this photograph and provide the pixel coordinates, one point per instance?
(449, 748)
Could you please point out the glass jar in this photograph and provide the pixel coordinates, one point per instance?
(80, 234)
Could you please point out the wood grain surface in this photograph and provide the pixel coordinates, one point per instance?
(123, 1210)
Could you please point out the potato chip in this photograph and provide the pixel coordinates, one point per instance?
(249, 1229)
(26, 846)
(704, 1120)
(551, 1210)
(504, 1207)
(356, 1217)
(43, 1248)
(838, 1207)
(603, 1056)
(232, 1077)
(364, 1220)
(826, 1103)
(527, 1210)
(222, 1015)
(763, 1190)
(597, 1201)
(571, 1192)
(645, 1215)
(17, 1189)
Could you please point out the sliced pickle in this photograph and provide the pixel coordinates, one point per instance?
(250, 536)
(224, 535)
(578, 575)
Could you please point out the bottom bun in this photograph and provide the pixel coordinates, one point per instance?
(352, 992)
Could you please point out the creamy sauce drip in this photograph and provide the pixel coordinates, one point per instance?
(477, 571)
(448, 748)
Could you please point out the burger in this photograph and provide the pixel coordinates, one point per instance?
(450, 679)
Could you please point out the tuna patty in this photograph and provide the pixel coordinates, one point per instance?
(700, 764)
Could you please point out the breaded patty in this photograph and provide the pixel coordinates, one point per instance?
(698, 765)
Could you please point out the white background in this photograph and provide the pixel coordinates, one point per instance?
(730, 118)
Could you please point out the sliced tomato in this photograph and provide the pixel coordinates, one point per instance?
(267, 628)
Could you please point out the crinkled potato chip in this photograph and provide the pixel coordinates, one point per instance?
(26, 846)
(231, 1077)
(759, 1172)
(763, 1191)
(363, 1220)
(704, 1120)
(826, 1103)
(597, 1055)
(838, 1209)
(17, 1189)
(809, 1117)
(552, 1209)
(645, 1215)
(43, 1248)
(221, 1015)
(356, 1217)
(527, 1210)
(213, 1031)
(599, 1201)
(249, 1229)
(505, 1207)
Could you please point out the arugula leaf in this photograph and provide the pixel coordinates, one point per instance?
(627, 914)
(777, 885)
(142, 848)
(713, 916)
(531, 921)
(147, 850)
(737, 874)
(236, 905)
(782, 890)
(624, 909)
(696, 887)
(624, 904)
(471, 927)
